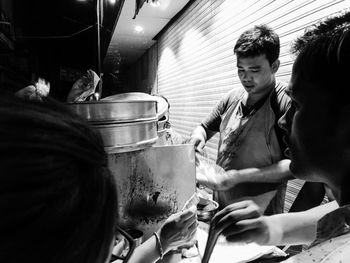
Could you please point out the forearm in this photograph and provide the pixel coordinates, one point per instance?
(275, 173)
(222, 180)
(147, 252)
(297, 228)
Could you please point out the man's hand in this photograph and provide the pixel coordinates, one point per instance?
(198, 142)
(198, 138)
(215, 177)
(242, 222)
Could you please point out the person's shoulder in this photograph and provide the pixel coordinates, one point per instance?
(281, 88)
(230, 98)
(234, 95)
(282, 98)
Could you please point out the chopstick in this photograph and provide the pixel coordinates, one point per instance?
(211, 242)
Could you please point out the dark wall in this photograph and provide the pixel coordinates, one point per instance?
(56, 37)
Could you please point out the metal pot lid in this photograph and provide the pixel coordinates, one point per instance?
(130, 96)
(162, 103)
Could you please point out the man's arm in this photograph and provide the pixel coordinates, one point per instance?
(211, 124)
(243, 222)
(224, 180)
(274, 173)
(297, 228)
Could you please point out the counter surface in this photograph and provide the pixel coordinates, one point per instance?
(229, 252)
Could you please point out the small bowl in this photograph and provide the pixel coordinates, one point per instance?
(206, 209)
(136, 234)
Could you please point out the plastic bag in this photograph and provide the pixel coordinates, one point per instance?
(84, 87)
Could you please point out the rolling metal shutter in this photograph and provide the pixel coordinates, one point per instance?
(196, 64)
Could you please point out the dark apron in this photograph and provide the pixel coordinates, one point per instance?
(245, 143)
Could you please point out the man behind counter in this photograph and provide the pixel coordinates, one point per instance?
(247, 121)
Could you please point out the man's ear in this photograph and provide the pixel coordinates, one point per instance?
(275, 65)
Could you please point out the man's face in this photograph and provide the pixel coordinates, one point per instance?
(256, 74)
(311, 145)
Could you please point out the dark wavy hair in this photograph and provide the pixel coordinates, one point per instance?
(323, 54)
(258, 41)
(57, 197)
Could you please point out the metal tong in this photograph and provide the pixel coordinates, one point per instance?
(211, 241)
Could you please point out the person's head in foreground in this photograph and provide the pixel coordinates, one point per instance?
(319, 140)
(257, 51)
(57, 196)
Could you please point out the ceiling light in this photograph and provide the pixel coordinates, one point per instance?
(155, 3)
(138, 29)
(112, 2)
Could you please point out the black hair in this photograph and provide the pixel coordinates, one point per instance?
(57, 197)
(258, 41)
(323, 54)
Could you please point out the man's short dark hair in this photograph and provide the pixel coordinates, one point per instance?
(258, 41)
(324, 55)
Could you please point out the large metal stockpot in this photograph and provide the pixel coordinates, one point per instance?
(152, 184)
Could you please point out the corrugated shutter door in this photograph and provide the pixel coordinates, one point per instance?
(196, 62)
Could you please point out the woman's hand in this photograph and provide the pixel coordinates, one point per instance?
(242, 222)
(179, 230)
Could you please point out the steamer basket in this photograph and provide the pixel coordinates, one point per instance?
(131, 136)
(115, 110)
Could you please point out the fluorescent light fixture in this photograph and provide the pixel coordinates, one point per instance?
(155, 3)
(138, 29)
(112, 2)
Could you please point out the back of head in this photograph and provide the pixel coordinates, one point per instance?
(324, 56)
(57, 197)
(323, 65)
(258, 41)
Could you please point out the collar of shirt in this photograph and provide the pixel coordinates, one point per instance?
(245, 111)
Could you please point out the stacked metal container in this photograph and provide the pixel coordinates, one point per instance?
(153, 182)
(127, 122)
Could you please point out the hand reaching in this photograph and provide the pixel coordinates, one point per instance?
(179, 230)
(198, 143)
(242, 222)
(215, 177)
